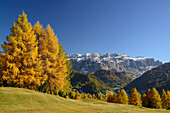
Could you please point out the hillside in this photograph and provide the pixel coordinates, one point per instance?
(92, 62)
(158, 77)
(88, 83)
(28, 101)
(113, 79)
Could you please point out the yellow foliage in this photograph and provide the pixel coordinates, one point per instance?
(23, 66)
(135, 98)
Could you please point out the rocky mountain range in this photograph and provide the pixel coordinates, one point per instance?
(92, 62)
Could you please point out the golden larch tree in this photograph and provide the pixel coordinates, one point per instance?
(114, 98)
(78, 96)
(168, 100)
(2, 67)
(110, 97)
(66, 83)
(135, 98)
(124, 98)
(85, 95)
(94, 96)
(163, 98)
(118, 100)
(101, 97)
(23, 66)
(89, 95)
(144, 100)
(155, 98)
(54, 63)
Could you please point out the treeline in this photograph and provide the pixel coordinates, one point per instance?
(76, 95)
(151, 99)
(33, 58)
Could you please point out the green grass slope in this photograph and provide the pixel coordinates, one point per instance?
(23, 100)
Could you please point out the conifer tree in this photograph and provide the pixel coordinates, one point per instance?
(23, 68)
(67, 97)
(114, 98)
(67, 63)
(2, 67)
(155, 98)
(118, 100)
(78, 95)
(54, 62)
(135, 98)
(124, 98)
(144, 100)
(94, 96)
(85, 95)
(168, 100)
(110, 98)
(105, 99)
(72, 95)
(89, 95)
(101, 97)
(82, 95)
(163, 98)
(149, 102)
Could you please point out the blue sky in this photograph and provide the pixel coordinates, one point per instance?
(132, 27)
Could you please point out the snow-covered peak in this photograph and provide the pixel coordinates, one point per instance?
(91, 62)
(104, 57)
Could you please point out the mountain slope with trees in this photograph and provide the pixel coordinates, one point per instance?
(88, 83)
(113, 79)
(99, 81)
(158, 77)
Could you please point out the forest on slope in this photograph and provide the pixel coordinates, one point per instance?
(158, 77)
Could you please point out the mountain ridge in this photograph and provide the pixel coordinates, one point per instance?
(92, 62)
(158, 77)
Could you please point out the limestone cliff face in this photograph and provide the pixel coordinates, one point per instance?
(92, 62)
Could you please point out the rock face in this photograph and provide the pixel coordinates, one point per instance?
(92, 62)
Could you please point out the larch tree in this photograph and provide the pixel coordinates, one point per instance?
(2, 67)
(72, 95)
(148, 100)
(155, 98)
(67, 85)
(54, 63)
(110, 97)
(135, 98)
(101, 97)
(94, 96)
(163, 98)
(23, 68)
(85, 95)
(89, 95)
(168, 100)
(105, 99)
(144, 100)
(118, 100)
(124, 97)
(78, 96)
(114, 98)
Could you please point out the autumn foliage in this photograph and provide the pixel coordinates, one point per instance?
(135, 98)
(33, 58)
